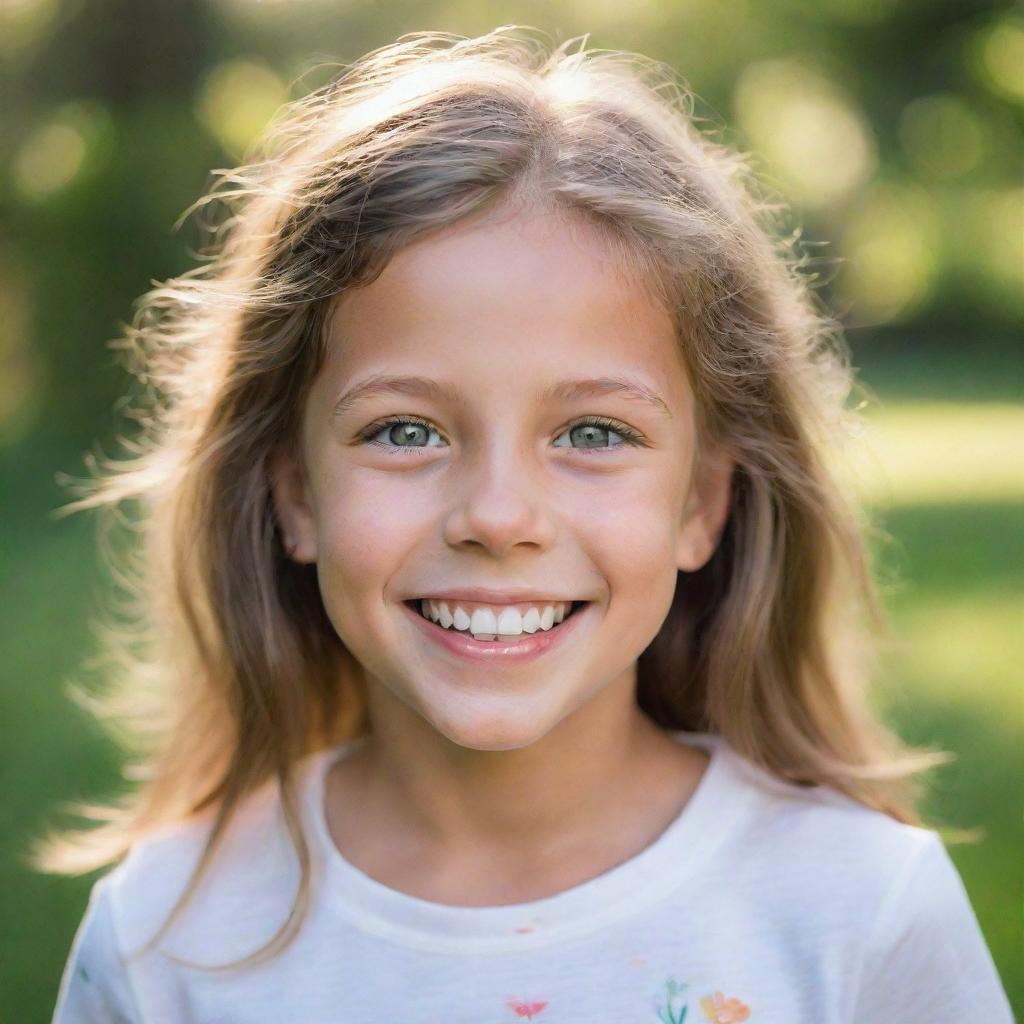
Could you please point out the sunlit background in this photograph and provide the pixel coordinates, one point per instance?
(894, 129)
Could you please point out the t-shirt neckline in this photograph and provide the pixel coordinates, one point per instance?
(623, 890)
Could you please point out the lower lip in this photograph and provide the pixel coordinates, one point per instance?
(528, 647)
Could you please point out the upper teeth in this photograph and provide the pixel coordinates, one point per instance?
(507, 620)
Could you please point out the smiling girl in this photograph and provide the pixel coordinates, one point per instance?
(510, 635)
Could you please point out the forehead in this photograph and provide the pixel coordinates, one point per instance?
(521, 294)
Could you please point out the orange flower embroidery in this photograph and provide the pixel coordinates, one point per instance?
(720, 1010)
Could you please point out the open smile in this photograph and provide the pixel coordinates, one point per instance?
(524, 647)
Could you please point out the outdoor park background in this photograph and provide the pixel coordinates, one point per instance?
(895, 129)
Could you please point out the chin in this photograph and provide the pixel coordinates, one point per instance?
(491, 728)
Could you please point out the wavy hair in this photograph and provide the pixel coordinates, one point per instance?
(224, 669)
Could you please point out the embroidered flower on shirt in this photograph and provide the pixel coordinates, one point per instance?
(669, 1013)
(717, 1009)
(720, 1010)
(524, 1009)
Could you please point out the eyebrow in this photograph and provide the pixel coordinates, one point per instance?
(566, 390)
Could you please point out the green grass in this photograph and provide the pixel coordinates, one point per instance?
(52, 751)
(921, 453)
(954, 681)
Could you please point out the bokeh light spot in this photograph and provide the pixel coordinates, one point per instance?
(1001, 58)
(943, 136)
(889, 244)
(860, 12)
(965, 650)
(74, 140)
(236, 101)
(48, 160)
(807, 129)
(20, 367)
(915, 453)
(1002, 249)
(25, 23)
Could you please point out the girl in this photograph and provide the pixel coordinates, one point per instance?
(508, 629)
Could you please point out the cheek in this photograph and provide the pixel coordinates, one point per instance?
(628, 533)
(364, 533)
(630, 519)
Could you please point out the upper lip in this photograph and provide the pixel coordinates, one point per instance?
(487, 596)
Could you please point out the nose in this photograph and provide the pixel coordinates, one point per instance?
(501, 500)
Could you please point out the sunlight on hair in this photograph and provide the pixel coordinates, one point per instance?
(399, 94)
(807, 129)
(237, 100)
(916, 453)
(890, 244)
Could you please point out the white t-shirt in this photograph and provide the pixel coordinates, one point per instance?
(761, 902)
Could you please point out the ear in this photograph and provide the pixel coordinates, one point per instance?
(291, 503)
(707, 508)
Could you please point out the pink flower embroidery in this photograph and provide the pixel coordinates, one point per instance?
(527, 1010)
(720, 1010)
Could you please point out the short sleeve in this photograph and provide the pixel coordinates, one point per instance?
(94, 988)
(927, 961)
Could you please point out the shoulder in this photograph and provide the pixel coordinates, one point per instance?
(813, 817)
(254, 866)
(821, 847)
(94, 986)
(833, 880)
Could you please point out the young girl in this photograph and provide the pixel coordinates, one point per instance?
(509, 633)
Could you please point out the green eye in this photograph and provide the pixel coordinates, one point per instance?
(420, 429)
(588, 430)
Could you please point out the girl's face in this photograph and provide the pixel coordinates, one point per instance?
(491, 477)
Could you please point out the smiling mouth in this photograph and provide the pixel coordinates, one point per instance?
(417, 605)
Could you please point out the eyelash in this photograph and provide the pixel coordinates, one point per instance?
(629, 436)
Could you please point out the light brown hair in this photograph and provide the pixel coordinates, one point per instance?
(228, 670)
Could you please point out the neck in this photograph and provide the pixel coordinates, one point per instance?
(605, 774)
